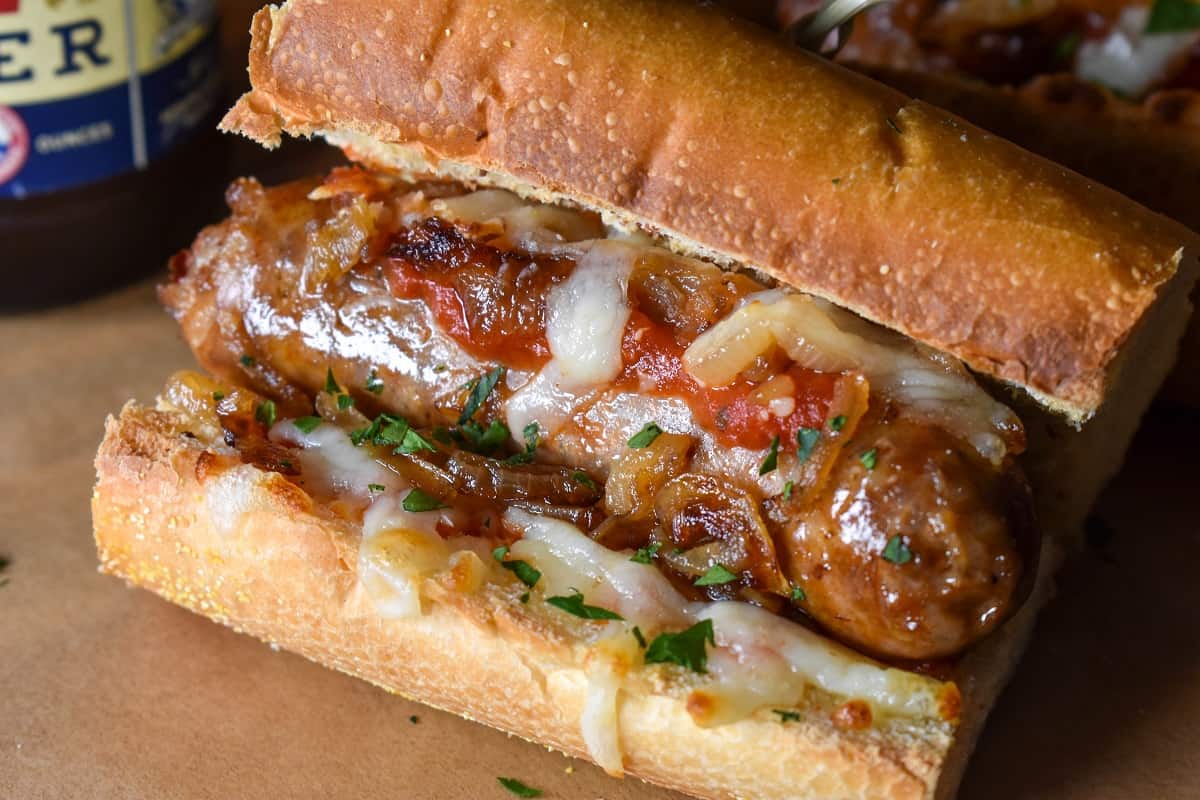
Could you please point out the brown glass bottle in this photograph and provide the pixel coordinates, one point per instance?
(109, 155)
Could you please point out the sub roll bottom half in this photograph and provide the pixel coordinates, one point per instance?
(495, 456)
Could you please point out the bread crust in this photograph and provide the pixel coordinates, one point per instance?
(735, 147)
(252, 551)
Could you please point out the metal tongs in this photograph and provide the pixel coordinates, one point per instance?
(826, 30)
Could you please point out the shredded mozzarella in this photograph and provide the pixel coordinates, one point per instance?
(398, 549)
(1129, 60)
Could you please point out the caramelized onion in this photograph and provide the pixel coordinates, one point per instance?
(637, 476)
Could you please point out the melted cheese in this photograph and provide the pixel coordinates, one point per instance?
(398, 550)
(331, 463)
(1129, 60)
(761, 659)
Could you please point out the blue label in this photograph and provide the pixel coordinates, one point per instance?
(104, 131)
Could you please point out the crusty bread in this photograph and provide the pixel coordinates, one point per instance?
(252, 551)
(730, 145)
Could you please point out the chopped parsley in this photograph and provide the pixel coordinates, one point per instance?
(837, 423)
(518, 788)
(414, 442)
(786, 716)
(1169, 16)
(584, 480)
(637, 634)
(870, 458)
(331, 384)
(526, 573)
(420, 500)
(714, 576)
(344, 401)
(306, 424)
(685, 648)
(524, 598)
(574, 605)
(414, 719)
(896, 551)
(4, 562)
(478, 391)
(836, 181)
(530, 433)
(798, 595)
(806, 440)
(646, 554)
(485, 441)
(772, 460)
(218, 397)
(787, 490)
(374, 383)
(265, 413)
(643, 438)
(246, 361)
(376, 487)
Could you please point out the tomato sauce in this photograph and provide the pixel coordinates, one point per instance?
(493, 304)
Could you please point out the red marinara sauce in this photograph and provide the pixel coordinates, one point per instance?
(493, 303)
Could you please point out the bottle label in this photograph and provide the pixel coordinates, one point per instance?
(94, 88)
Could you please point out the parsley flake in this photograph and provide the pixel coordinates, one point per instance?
(643, 438)
(574, 605)
(1170, 16)
(896, 551)
(414, 719)
(584, 480)
(218, 397)
(518, 788)
(870, 458)
(420, 500)
(798, 595)
(414, 442)
(685, 648)
(374, 383)
(786, 716)
(645, 555)
(344, 401)
(376, 487)
(331, 384)
(478, 391)
(837, 423)
(772, 460)
(787, 490)
(716, 575)
(306, 424)
(246, 361)
(522, 569)
(531, 434)
(806, 440)
(265, 413)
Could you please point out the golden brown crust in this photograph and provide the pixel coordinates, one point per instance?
(248, 549)
(933, 227)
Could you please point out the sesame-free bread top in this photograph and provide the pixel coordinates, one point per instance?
(730, 145)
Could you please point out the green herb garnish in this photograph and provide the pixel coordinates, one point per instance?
(584, 480)
(331, 384)
(478, 390)
(870, 458)
(637, 634)
(531, 434)
(414, 442)
(374, 383)
(574, 605)
(714, 576)
(806, 440)
(896, 551)
(786, 716)
(265, 413)
(246, 361)
(522, 569)
(518, 788)
(798, 595)
(474, 437)
(344, 401)
(772, 460)
(306, 424)
(643, 438)
(218, 396)
(645, 555)
(376, 487)
(685, 648)
(420, 500)
(787, 490)
(1169, 16)
(837, 423)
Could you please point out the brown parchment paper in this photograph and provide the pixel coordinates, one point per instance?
(109, 692)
